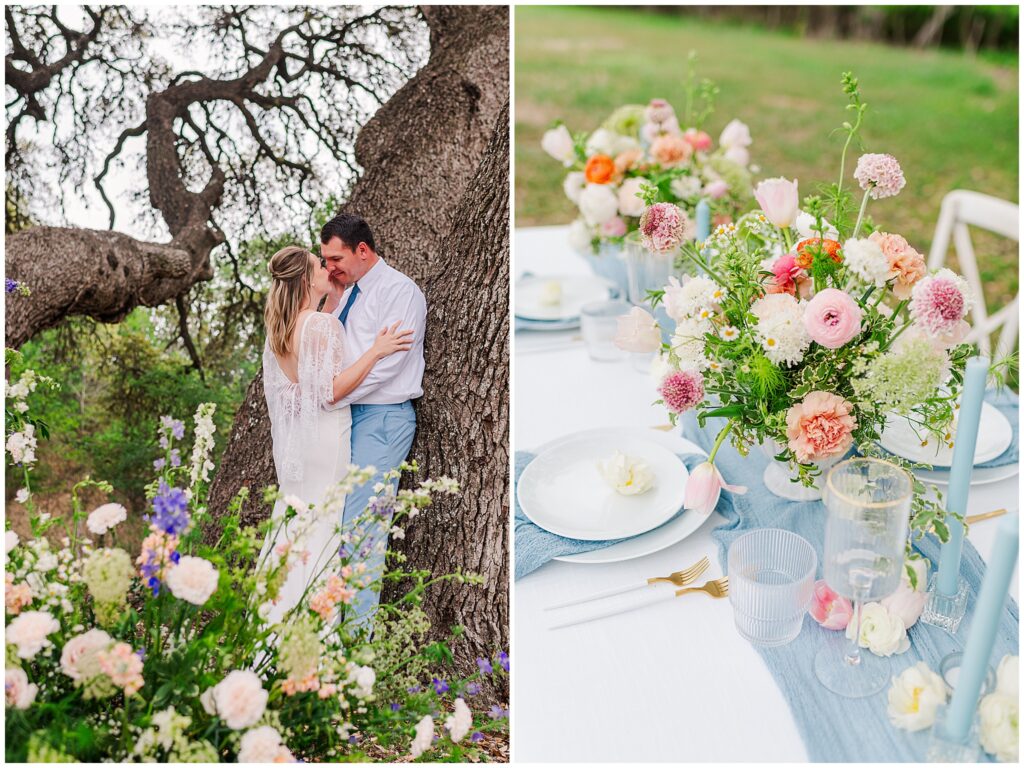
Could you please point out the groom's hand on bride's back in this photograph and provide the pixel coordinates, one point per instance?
(391, 340)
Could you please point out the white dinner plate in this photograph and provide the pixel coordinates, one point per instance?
(563, 492)
(573, 292)
(980, 475)
(994, 436)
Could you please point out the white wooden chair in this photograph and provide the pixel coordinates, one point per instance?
(960, 209)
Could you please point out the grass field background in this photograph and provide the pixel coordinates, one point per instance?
(949, 119)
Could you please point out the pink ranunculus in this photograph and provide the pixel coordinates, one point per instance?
(829, 609)
(638, 332)
(716, 189)
(704, 488)
(779, 199)
(907, 602)
(832, 318)
(819, 427)
(614, 227)
(699, 140)
(906, 265)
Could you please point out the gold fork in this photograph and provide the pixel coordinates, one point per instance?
(679, 579)
(715, 588)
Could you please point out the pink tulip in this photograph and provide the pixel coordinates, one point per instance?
(829, 609)
(780, 200)
(705, 486)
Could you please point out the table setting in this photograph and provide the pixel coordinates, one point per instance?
(825, 530)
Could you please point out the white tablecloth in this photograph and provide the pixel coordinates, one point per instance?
(673, 682)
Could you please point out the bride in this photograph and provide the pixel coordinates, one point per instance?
(303, 373)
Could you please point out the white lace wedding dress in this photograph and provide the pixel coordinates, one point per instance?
(312, 450)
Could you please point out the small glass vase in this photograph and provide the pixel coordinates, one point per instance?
(784, 482)
(609, 262)
(646, 270)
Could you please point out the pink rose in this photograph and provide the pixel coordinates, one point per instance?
(906, 265)
(829, 609)
(699, 140)
(670, 150)
(614, 227)
(716, 189)
(705, 486)
(832, 318)
(638, 332)
(779, 199)
(819, 427)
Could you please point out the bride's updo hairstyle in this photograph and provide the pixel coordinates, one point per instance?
(291, 272)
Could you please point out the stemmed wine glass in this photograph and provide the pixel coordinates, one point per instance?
(868, 503)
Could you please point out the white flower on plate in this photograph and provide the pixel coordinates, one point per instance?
(460, 723)
(627, 475)
(881, 632)
(580, 236)
(573, 185)
(914, 697)
(686, 187)
(598, 203)
(865, 259)
(551, 293)
(558, 143)
(424, 737)
(630, 203)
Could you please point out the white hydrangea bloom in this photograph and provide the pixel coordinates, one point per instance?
(780, 328)
(865, 259)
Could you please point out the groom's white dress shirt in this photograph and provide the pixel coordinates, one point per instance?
(385, 297)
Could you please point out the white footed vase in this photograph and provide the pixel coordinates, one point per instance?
(784, 482)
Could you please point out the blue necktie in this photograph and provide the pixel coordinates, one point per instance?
(348, 305)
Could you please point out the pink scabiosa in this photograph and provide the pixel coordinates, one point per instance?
(879, 175)
(663, 227)
(682, 390)
(940, 302)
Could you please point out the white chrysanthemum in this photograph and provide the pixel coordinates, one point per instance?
(686, 187)
(105, 517)
(780, 328)
(460, 723)
(573, 186)
(29, 632)
(239, 699)
(696, 297)
(21, 693)
(193, 580)
(263, 745)
(424, 737)
(688, 343)
(865, 259)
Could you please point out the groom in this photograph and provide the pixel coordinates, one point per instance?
(383, 417)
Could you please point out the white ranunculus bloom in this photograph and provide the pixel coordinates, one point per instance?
(999, 726)
(460, 723)
(598, 203)
(424, 737)
(239, 699)
(580, 236)
(193, 580)
(881, 632)
(914, 697)
(627, 475)
(105, 517)
(20, 692)
(573, 185)
(558, 143)
(630, 203)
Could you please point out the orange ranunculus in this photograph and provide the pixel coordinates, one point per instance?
(807, 249)
(600, 169)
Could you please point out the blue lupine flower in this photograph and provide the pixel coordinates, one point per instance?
(382, 506)
(178, 429)
(164, 442)
(175, 556)
(170, 510)
(11, 285)
(496, 712)
(141, 653)
(485, 666)
(159, 464)
(395, 706)
(472, 689)
(175, 458)
(503, 660)
(414, 689)
(476, 737)
(440, 687)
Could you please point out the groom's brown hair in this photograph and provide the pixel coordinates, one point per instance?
(350, 229)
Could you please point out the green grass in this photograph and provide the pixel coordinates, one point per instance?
(950, 120)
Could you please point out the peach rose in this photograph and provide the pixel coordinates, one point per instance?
(625, 161)
(670, 150)
(906, 265)
(600, 169)
(820, 427)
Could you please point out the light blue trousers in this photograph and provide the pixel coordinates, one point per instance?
(381, 437)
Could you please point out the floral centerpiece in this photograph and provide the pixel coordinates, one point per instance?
(808, 328)
(166, 653)
(640, 146)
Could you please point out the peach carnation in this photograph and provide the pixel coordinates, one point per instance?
(906, 266)
(819, 427)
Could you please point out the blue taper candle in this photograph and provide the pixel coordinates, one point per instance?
(975, 377)
(984, 626)
(703, 220)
